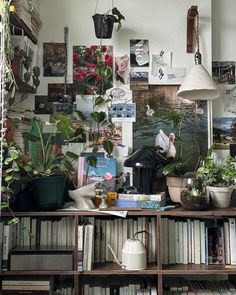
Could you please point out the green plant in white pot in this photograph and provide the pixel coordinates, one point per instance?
(219, 178)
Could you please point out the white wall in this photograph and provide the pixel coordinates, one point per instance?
(162, 22)
(223, 45)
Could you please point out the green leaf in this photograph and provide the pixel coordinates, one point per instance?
(80, 115)
(9, 170)
(27, 77)
(36, 82)
(69, 166)
(99, 100)
(4, 205)
(36, 71)
(8, 178)
(14, 220)
(120, 16)
(92, 160)
(8, 160)
(72, 155)
(108, 146)
(98, 117)
(64, 125)
(16, 177)
(95, 149)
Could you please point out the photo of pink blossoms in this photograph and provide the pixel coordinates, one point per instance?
(92, 69)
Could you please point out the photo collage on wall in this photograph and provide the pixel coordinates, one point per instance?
(224, 108)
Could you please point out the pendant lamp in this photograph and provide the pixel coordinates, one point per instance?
(198, 84)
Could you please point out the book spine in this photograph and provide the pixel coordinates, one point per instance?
(232, 234)
(6, 246)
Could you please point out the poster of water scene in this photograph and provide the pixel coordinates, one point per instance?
(224, 131)
(192, 129)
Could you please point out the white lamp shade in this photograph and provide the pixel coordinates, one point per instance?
(198, 85)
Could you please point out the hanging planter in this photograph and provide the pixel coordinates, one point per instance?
(103, 26)
(104, 23)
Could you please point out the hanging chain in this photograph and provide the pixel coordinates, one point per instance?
(66, 57)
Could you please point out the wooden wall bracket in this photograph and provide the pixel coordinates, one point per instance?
(192, 13)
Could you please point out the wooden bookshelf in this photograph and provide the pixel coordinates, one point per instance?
(156, 269)
(19, 25)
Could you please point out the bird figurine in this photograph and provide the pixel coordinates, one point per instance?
(171, 151)
(166, 143)
(149, 111)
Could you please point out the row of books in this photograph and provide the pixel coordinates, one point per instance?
(37, 285)
(46, 232)
(175, 286)
(199, 241)
(35, 232)
(120, 287)
(115, 232)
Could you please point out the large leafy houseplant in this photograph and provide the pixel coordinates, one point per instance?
(217, 173)
(219, 177)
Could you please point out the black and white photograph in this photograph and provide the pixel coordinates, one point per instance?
(139, 53)
(223, 71)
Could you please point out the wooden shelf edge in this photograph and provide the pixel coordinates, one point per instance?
(16, 21)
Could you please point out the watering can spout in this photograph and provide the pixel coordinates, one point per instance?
(114, 255)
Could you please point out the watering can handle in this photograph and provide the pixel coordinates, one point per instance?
(139, 232)
(114, 255)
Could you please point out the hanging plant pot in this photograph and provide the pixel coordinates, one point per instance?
(103, 25)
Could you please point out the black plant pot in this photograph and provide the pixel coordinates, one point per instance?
(49, 191)
(103, 26)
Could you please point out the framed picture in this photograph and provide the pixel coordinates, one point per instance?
(223, 113)
(139, 53)
(56, 91)
(194, 120)
(42, 105)
(53, 59)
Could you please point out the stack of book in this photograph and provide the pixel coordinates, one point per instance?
(40, 285)
(35, 18)
(180, 286)
(144, 201)
(23, 11)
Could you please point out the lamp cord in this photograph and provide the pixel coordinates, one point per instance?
(197, 56)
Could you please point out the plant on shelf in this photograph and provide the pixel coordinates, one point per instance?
(50, 167)
(219, 176)
(22, 65)
(30, 73)
(180, 162)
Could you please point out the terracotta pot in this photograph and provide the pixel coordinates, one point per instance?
(16, 66)
(220, 196)
(175, 186)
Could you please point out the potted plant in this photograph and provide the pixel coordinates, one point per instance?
(219, 178)
(51, 169)
(103, 23)
(179, 163)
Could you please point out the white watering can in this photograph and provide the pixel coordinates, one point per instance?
(134, 255)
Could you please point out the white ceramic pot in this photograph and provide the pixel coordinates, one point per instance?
(220, 196)
(175, 186)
